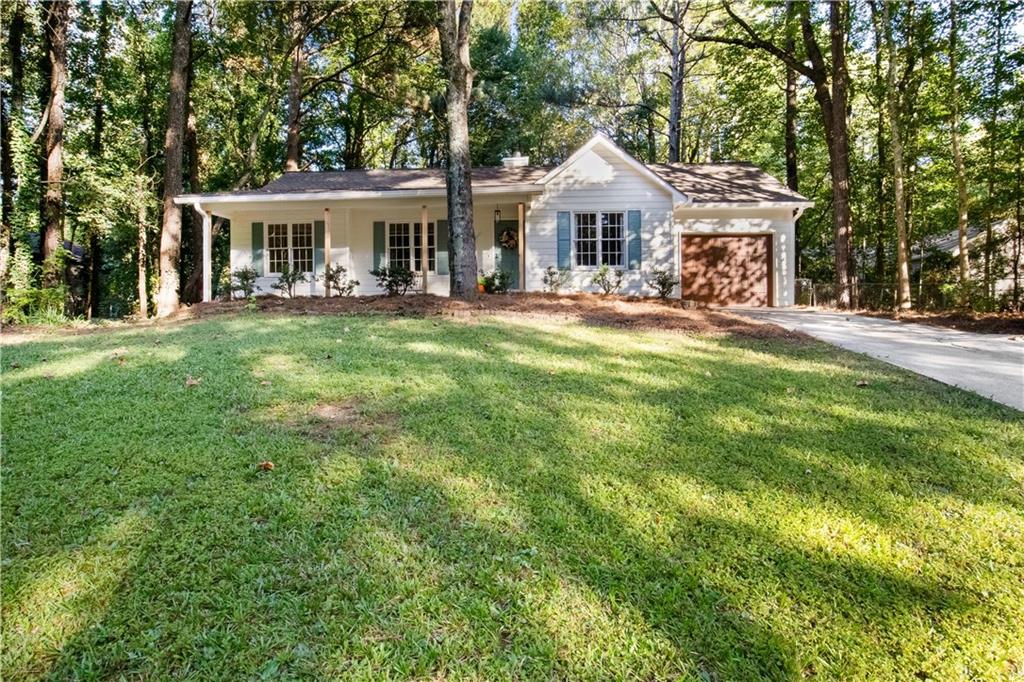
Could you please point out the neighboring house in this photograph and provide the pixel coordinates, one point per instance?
(727, 230)
(1005, 252)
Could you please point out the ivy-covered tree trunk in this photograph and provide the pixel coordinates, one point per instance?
(167, 301)
(11, 116)
(55, 33)
(453, 28)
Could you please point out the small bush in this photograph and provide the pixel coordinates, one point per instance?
(287, 281)
(497, 282)
(554, 279)
(336, 279)
(608, 280)
(394, 281)
(24, 302)
(244, 280)
(661, 281)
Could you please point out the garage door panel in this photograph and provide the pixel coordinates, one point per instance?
(727, 270)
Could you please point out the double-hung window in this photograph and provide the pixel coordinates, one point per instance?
(405, 243)
(291, 246)
(599, 238)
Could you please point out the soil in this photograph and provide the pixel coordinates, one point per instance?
(605, 311)
(981, 323)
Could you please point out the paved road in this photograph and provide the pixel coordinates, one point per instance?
(991, 365)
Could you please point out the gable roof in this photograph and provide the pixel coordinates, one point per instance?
(716, 183)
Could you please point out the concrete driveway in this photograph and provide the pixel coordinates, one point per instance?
(991, 365)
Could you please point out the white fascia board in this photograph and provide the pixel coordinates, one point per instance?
(697, 206)
(600, 138)
(343, 195)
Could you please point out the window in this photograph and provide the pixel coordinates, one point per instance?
(277, 246)
(293, 248)
(612, 234)
(586, 240)
(405, 241)
(599, 239)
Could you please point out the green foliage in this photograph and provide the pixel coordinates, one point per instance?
(497, 282)
(336, 279)
(288, 279)
(662, 281)
(394, 281)
(244, 281)
(554, 279)
(24, 302)
(608, 280)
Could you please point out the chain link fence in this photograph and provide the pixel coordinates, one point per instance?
(869, 296)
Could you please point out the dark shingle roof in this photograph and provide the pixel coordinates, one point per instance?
(403, 179)
(741, 182)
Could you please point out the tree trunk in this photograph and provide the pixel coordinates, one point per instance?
(170, 236)
(840, 156)
(792, 169)
(896, 132)
(676, 76)
(92, 296)
(192, 292)
(141, 253)
(11, 116)
(454, 33)
(958, 159)
(880, 230)
(995, 104)
(293, 151)
(1018, 233)
(55, 32)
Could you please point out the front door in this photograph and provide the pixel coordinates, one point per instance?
(507, 259)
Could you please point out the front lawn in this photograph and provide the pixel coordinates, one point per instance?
(522, 497)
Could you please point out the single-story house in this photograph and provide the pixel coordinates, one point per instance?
(726, 230)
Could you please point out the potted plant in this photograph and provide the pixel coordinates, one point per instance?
(480, 283)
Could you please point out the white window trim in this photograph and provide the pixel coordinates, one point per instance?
(266, 241)
(625, 239)
(413, 224)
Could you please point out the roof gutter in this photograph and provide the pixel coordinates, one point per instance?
(348, 195)
(800, 206)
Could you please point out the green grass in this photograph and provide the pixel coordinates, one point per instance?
(499, 500)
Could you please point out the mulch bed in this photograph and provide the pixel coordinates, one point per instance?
(606, 311)
(982, 323)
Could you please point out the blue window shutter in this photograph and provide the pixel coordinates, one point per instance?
(441, 247)
(378, 244)
(564, 241)
(318, 248)
(257, 248)
(634, 240)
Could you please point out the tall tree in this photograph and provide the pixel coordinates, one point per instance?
(958, 157)
(790, 134)
(453, 28)
(170, 236)
(894, 107)
(92, 308)
(55, 32)
(11, 116)
(995, 102)
(298, 23)
(830, 92)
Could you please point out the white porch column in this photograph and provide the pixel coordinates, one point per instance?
(207, 254)
(521, 215)
(327, 247)
(424, 252)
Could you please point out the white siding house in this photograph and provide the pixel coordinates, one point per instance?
(601, 206)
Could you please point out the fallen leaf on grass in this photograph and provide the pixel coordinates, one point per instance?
(192, 381)
(862, 383)
(265, 465)
(15, 365)
(264, 383)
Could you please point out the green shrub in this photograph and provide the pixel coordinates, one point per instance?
(287, 281)
(662, 281)
(554, 279)
(497, 282)
(608, 280)
(336, 279)
(24, 302)
(244, 280)
(394, 281)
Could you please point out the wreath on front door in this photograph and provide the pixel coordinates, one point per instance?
(509, 240)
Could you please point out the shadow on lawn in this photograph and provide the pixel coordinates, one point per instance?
(485, 514)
